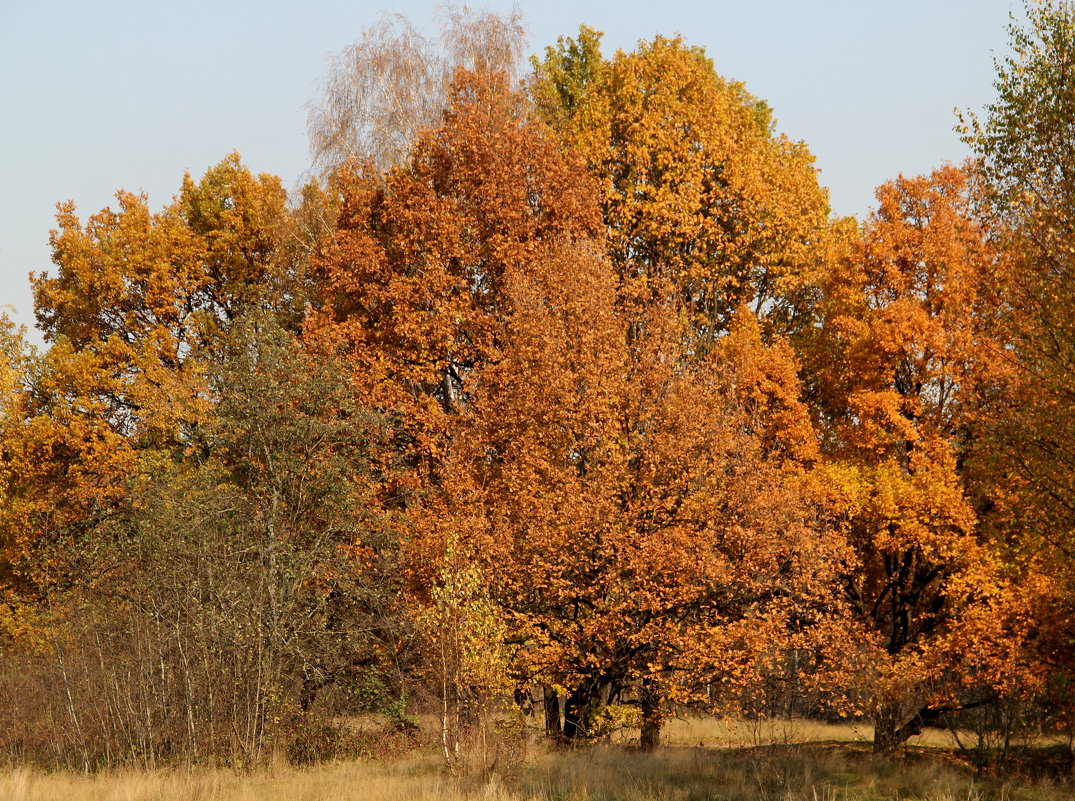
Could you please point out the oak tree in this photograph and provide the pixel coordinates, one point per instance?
(903, 352)
(701, 198)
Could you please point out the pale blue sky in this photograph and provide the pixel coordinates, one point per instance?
(98, 96)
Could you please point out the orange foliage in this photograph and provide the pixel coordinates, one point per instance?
(415, 271)
(904, 348)
(137, 300)
(635, 518)
(588, 316)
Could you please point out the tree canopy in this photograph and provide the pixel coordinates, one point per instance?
(562, 391)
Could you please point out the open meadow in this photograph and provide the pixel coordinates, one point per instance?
(706, 758)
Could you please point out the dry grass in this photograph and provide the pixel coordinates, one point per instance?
(402, 780)
(733, 733)
(776, 773)
(733, 764)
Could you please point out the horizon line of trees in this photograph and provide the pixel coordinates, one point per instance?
(559, 389)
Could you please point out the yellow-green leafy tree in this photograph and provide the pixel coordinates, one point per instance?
(1024, 146)
(700, 196)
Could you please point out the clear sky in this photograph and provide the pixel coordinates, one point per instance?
(99, 96)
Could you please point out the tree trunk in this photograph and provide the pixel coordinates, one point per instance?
(574, 712)
(889, 732)
(652, 717)
(553, 728)
(578, 708)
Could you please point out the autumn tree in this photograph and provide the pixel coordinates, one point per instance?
(700, 196)
(137, 292)
(903, 355)
(646, 529)
(1024, 146)
(138, 299)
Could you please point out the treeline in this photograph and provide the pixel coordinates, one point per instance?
(559, 390)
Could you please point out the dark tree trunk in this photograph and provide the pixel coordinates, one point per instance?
(524, 700)
(553, 728)
(652, 717)
(312, 684)
(578, 709)
(890, 732)
(574, 711)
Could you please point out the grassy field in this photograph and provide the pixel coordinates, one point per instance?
(733, 733)
(706, 759)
